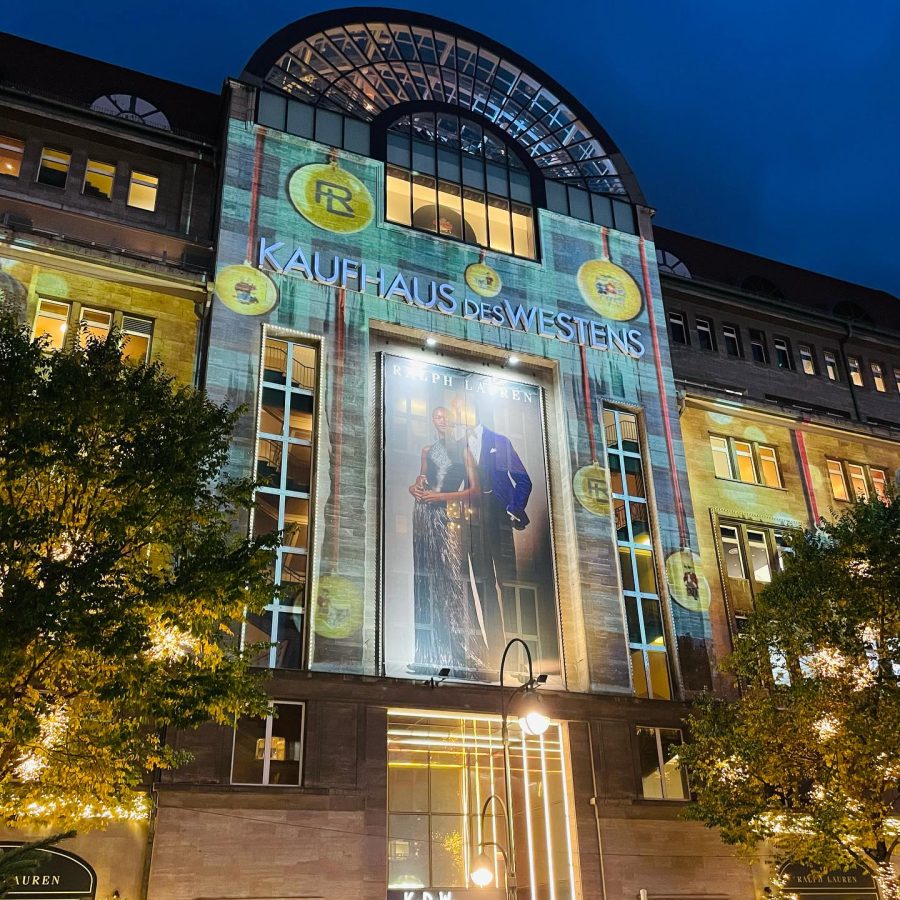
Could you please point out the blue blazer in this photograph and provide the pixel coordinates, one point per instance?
(501, 472)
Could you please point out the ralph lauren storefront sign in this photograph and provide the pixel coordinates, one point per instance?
(58, 874)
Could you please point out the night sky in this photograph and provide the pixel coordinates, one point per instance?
(772, 125)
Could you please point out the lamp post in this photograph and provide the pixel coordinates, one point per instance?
(532, 721)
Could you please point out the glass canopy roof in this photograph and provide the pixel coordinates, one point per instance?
(366, 61)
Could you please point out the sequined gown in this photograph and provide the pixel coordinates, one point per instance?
(444, 627)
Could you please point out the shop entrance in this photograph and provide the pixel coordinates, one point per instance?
(854, 884)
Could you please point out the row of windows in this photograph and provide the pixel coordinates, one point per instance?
(99, 176)
(809, 362)
(269, 751)
(854, 479)
(52, 320)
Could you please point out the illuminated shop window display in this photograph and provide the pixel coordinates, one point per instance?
(441, 770)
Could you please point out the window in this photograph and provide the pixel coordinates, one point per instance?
(877, 377)
(11, 152)
(448, 175)
(269, 750)
(705, 334)
(142, 191)
(758, 349)
(662, 776)
(783, 357)
(136, 337)
(897, 379)
(98, 180)
(732, 339)
(677, 329)
(54, 167)
(831, 365)
(284, 469)
(441, 770)
(807, 359)
(95, 325)
(746, 461)
(863, 481)
(52, 321)
(855, 369)
(637, 560)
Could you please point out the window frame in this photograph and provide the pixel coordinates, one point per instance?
(660, 765)
(82, 338)
(681, 323)
(267, 747)
(876, 370)
(832, 369)
(758, 339)
(735, 337)
(47, 152)
(8, 143)
(807, 354)
(783, 351)
(842, 467)
(855, 371)
(87, 171)
(753, 455)
(705, 328)
(67, 320)
(133, 176)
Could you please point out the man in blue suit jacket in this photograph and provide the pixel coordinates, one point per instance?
(505, 487)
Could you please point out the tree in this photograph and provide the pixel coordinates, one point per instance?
(120, 571)
(807, 761)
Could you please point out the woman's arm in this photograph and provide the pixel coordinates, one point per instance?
(472, 491)
(418, 486)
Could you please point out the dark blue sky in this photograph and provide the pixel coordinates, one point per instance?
(771, 125)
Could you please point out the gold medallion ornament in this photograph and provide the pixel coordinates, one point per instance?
(687, 584)
(246, 290)
(591, 486)
(338, 610)
(609, 290)
(331, 198)
(484, 280)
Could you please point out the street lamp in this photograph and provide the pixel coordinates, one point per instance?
(532, 721)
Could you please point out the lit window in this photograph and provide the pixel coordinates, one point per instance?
(662, 776)
(269, 750)
(98, 180)
(54, 167)
(51, 322)
(732, 341)
(831, 365)
(94, 326)
(807, 360)
(879, 482)
(857, 476)
(677, 329)
(447, 175)
(783, 356)
(855, 369)
(136, 337)
(705, 334)
(838, 482)
(897, 379)
(743, 455)
(142, 191)
(731, 546)
(758, 554)
(877, 377)
(11, 152)
(721, 457)
(768, 466)
(758, 349)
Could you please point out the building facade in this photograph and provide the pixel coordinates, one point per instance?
(506, 428)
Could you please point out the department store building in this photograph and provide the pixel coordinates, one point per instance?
(437, 293)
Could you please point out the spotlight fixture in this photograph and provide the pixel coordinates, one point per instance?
(443, 673)
(514, 360)
(430, 341)
(482, 873)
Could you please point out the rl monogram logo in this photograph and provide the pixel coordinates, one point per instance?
(330, 197)
(335, 197)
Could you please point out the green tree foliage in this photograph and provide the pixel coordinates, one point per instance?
(119, 571)
(807, 761)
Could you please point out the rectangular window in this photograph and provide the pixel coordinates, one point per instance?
(879, 482)
(897, 379)
(662, 776)
(838, 482)
(721, 457)
(807, 359)
(758, 349)
(677, 330)
(877, 377)
(732, 339)
(637, 560)
(284, 469)
(137, 335)
(52, 321)
(705, 334)
(831, 365)
(783, 357)
(731, 547)
(98, 180)
(768, 466)
(857, 475)
(855, 368)
(95, 325)
(743, 457)
(54, 167)
(11, 152)
(269, 750)
(142, 191)
(442, 769)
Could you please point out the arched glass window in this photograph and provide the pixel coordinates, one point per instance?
(448, 175)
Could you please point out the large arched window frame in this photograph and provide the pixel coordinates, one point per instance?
(455, 176)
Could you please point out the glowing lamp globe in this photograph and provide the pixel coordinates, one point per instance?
(482, 873)
(532, 720)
